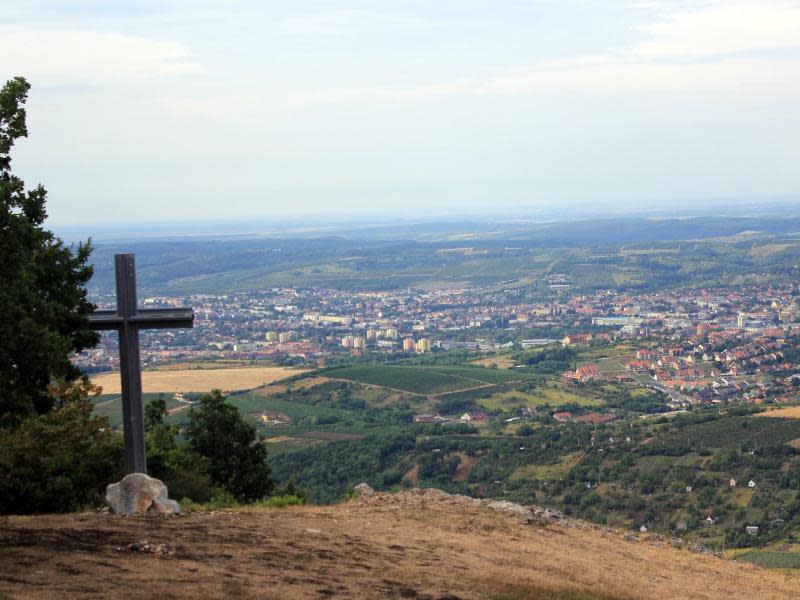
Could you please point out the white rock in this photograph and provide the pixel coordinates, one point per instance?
(138, 493)
(363, 489)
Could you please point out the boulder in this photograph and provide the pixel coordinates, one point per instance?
(363, 489)
(139, 493)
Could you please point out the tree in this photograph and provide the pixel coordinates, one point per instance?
(43, 300)
(60, 461)
(237, 460)
(182, 469)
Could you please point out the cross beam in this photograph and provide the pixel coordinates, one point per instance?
(128, 320)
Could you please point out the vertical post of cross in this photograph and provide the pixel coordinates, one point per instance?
(127, 320)
(130, 370)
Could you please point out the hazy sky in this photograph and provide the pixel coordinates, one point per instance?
(191, 109)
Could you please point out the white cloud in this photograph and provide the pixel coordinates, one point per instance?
(66, 56)
(345, 22)
(725, 28)
(695, 47)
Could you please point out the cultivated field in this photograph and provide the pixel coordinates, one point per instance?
(790, 412)
(736, 432)
(423, 379)
(199, 380)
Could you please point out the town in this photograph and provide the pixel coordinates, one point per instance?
(698, 346)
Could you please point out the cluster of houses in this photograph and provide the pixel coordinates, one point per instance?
(467, 417)
(717, 375)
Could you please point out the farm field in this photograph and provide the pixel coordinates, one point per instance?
(736, 432)
(422, 380)
(789, 412)
(282, 387)
(110, 405)
(199, 380)
(511, 399)
(502, 362)
(772, 559)
(555, 470)
(251, 403)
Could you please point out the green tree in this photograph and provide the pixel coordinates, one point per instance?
(43, 299)
(58, 462)
(182, 469)
(237, 460)
(154, 412)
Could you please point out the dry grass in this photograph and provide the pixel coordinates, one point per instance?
(502, 362)
(282, 388)
(765, 250)
(789, 412)
(403, 546)
(199, 380)
(548, 471)
(465, 466)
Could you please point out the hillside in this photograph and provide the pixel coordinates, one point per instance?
(416, 544)
(636, 253)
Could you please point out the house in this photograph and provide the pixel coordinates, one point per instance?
(594, 418)
(733, 482)
(638, 366)
(584, 374)
(273, 418)
(563, 416)
(424, 418)
(643, 528)
(474, 417)
(751, 529)
(751, 484)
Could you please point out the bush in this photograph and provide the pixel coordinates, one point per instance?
(279, 502)
(58, 462)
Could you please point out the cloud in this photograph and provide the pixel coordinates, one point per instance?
(344, 22)
(725, 28)
(688, 48)
(79, 57)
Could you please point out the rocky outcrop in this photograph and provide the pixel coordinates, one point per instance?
(530, 515)
(139, 493)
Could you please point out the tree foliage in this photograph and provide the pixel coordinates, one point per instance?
(236, 458)
(58, 462)
(43, 299)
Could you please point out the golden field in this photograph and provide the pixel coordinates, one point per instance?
(789, 412)
(199, 380)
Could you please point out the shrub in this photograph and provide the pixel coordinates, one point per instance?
(58, 462)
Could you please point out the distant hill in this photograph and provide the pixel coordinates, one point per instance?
(634, 252)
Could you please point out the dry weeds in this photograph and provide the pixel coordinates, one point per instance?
(409, 545)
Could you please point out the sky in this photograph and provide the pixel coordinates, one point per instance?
(181, 110)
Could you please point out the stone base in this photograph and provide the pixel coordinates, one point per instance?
(139, 493)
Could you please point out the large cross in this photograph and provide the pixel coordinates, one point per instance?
(128, 320)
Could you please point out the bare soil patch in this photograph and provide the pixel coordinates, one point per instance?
(415, 544)
(465, 465)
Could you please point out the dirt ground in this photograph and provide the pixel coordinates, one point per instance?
(409, 545)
